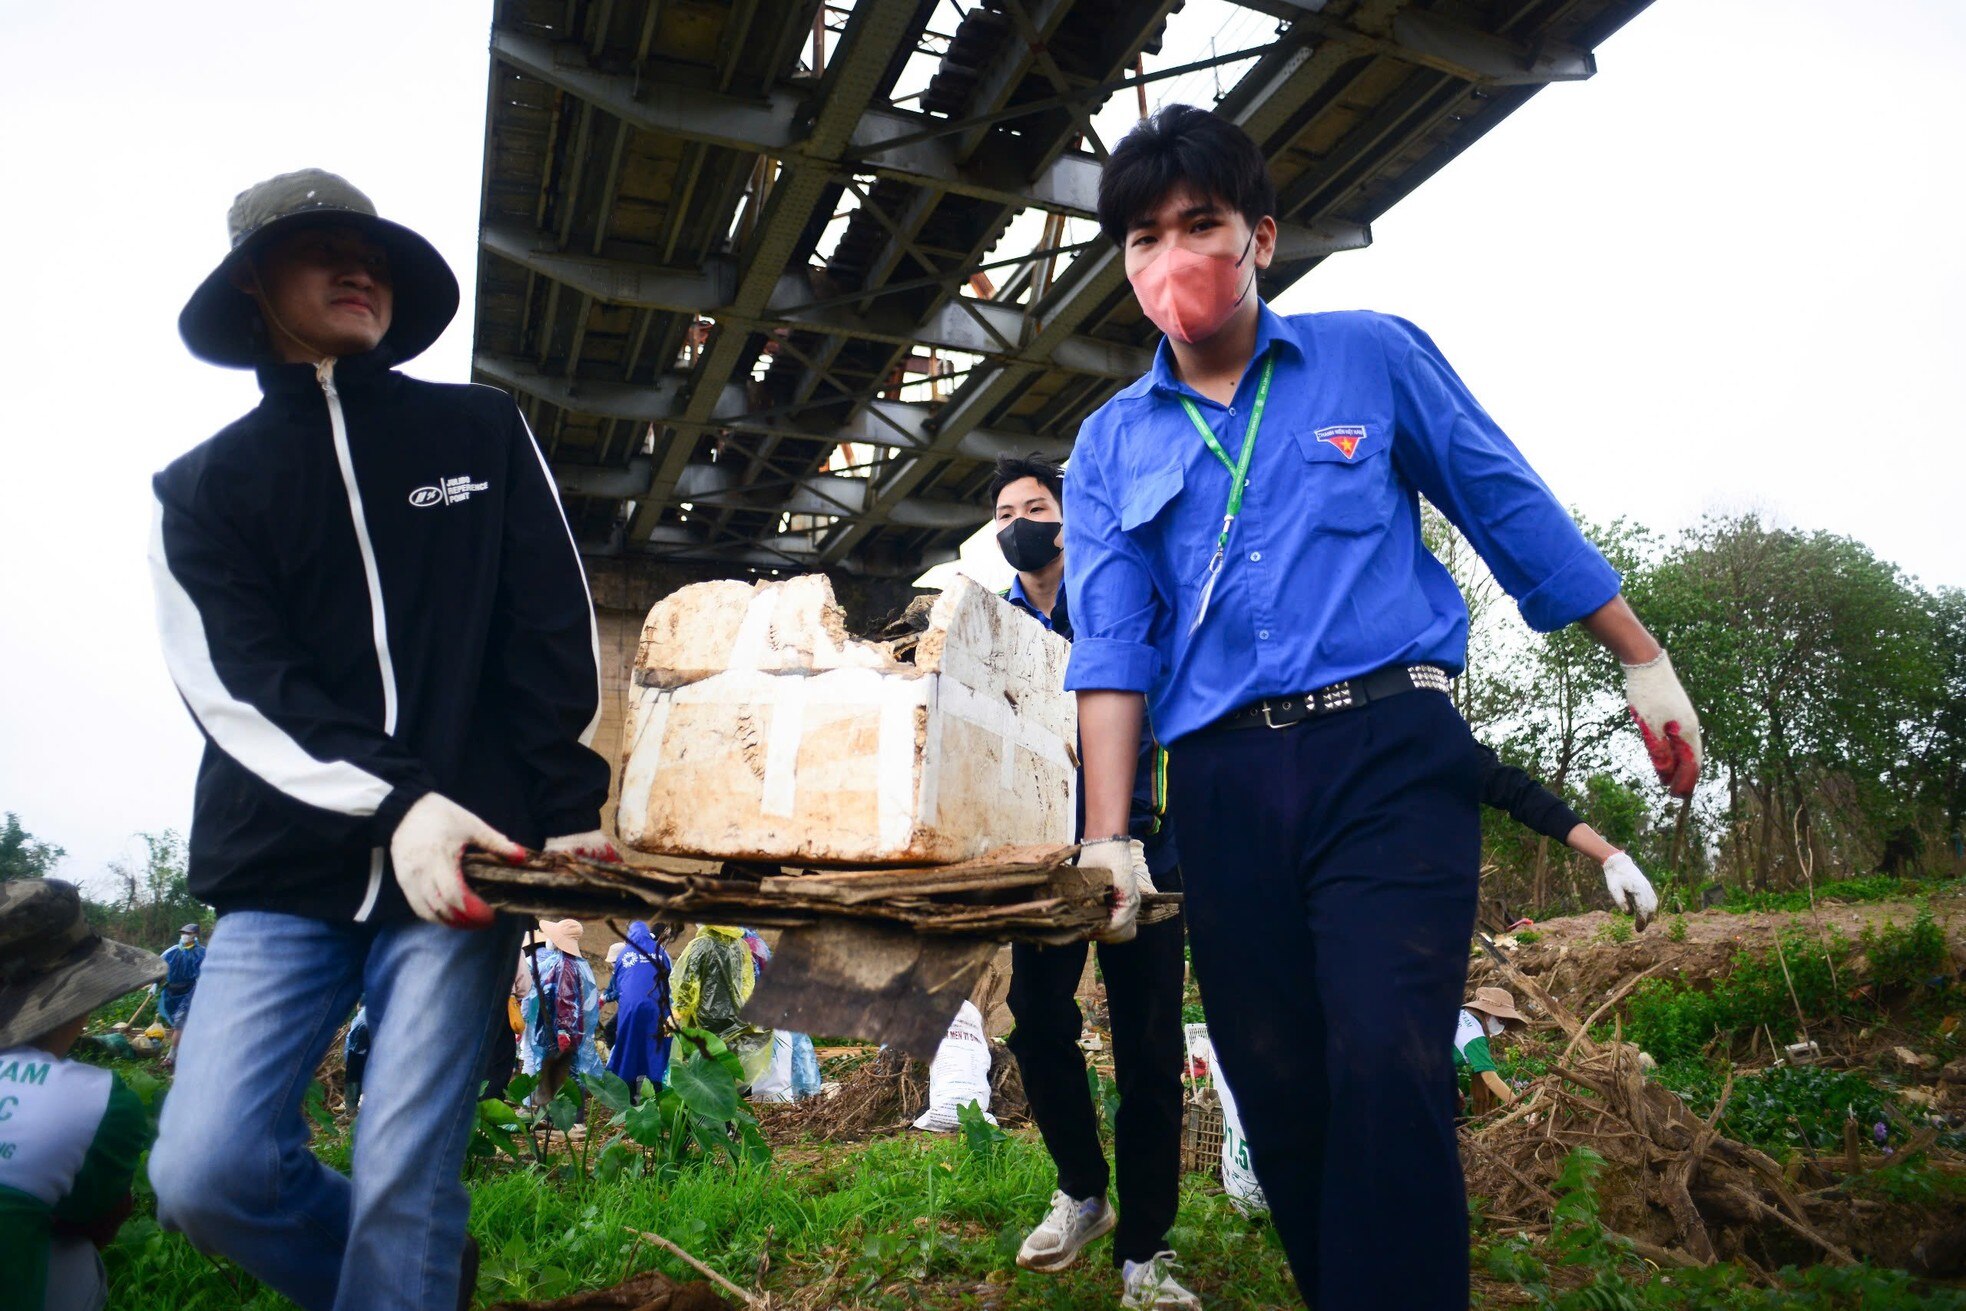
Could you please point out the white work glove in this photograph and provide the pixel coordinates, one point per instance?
(593, 844)
(1665, 719)
(1629, 888)
(1126, 860)
(427, 850)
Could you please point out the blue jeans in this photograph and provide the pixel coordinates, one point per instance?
(232, 1168)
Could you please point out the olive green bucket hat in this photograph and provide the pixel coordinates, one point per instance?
(221, 324)
(53, 966)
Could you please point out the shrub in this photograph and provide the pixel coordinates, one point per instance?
(1672, 1020)
(1904, 958)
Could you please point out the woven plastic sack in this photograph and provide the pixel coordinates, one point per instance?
(959, 1074)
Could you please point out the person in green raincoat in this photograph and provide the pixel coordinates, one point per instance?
(712, 981)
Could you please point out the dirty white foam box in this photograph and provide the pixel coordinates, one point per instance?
(758, 729)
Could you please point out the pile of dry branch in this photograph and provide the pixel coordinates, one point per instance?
(885, 1096)
(1679, 1191)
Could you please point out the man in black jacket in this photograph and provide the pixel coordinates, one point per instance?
(373, 607)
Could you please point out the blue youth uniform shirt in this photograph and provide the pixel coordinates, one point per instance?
(1325, 577)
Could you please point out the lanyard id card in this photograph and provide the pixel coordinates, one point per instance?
(1238, 477)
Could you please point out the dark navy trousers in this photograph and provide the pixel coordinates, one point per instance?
(1331, 872)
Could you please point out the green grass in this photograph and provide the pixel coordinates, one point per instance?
(1858, 891)
(902, 1222)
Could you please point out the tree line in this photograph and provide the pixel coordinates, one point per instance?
(151, 898)
(1831, 689)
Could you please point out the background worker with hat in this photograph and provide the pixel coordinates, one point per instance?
(70, 1134)
(372, 605)
(183, 960)
(564, 1009)
(1488, 1016)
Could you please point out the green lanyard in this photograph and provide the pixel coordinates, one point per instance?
(1238, 475)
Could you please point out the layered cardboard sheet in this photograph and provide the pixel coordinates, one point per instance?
(758, 729)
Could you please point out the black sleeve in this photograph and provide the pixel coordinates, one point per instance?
(550, 648)
(250, 683)
(1532, 805)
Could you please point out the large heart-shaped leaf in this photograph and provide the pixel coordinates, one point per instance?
(610, 1089)
(706, 1087)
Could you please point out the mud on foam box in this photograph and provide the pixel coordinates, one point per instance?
(758, 729)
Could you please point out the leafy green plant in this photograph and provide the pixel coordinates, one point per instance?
(1676, 931)
(697, 1115)
(981, 1139)
(1783, 1108)
(1105, 1096)
(1904, 958)
(1528, 936)
(1672, 1020)
(1618, 930)
(1843, 891)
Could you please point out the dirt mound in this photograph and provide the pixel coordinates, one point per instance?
(1580, 959)
(884, 1096)
(648, 1291)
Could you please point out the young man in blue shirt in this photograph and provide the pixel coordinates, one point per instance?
(1143, 969)
(1243, 551)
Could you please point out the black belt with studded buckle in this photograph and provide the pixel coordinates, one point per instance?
(1284, 711)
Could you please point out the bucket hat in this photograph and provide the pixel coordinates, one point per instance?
(221, 324)
(53, 966)
(563, 934)
(1496, 1002)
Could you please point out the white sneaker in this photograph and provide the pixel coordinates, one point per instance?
(1151, 1285)
(1069, 1226)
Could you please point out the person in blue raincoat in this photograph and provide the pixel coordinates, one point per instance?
(184, 961)
(564, 1011)
(640, 986)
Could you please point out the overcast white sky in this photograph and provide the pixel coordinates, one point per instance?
(1726, 272)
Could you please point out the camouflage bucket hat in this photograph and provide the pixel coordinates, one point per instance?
(53, 966)
(221, 324)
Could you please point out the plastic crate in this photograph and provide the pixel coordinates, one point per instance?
(1201, 1135)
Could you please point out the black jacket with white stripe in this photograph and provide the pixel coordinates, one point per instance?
(367, 591)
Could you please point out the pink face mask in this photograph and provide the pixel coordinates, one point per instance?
(1189, 296)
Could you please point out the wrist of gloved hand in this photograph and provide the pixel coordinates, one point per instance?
(1630, 890)
(1666, 721)
(426, 853)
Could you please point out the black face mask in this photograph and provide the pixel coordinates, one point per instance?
(1030, 544)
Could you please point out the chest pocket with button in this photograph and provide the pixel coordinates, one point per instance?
(1348, 478)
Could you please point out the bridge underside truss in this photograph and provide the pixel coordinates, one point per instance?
(776, 280)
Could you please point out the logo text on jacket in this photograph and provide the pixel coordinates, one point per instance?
(447, 491)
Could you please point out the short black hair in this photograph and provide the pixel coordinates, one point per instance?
(1180, 145)
(1010, 468)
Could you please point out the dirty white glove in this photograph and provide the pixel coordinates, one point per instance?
(593, 844)
(1126, 861)
(1629, 888)
(426, 851)
(1665, 719)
